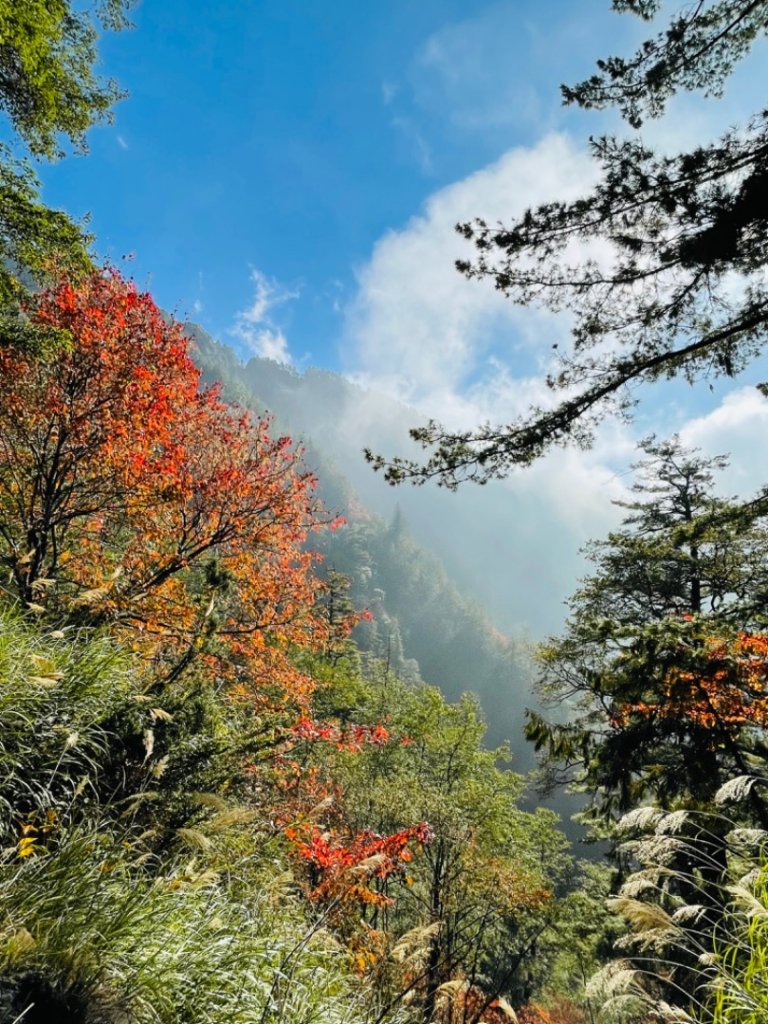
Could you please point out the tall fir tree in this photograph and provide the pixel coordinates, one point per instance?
(661, 664)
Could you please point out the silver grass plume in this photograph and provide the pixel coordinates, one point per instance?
(618, 978)
(658, 849)
(414, 946)
(666, 1014)
(747, 836)
(640, 819)
(672, 823)
(689, 914)
(636, 885)
(751, 905)
(735, 790)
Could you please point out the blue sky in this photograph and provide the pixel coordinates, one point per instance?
(288, 174)
(268, 150)
(288, 137)
(266, 147)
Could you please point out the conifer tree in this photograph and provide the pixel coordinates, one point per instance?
(663, 663)
(682, 290)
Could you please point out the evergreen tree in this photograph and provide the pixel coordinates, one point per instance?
(681, 550)
(683, 290)
(660, 664)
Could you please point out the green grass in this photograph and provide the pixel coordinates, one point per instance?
(57, 692)
(109, 912)
(88, 929)
(741, 988)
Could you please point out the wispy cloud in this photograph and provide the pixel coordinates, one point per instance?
(388, 92)
(254, 327)
(466, 69)
(496, 71)
(122, 143)
(417, 144)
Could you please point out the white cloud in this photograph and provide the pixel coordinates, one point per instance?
(737, 428)
(254, 327)
(460, 352)
(122, 143)
(454, 348)
(271, 345)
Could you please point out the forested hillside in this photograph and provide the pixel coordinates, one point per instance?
(227, 807)
(497, 565)
(422, 626)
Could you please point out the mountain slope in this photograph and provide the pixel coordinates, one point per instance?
(422, 624)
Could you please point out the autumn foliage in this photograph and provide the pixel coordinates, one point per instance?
(342, 868)
(727, 691)
(350, 737)
(131, 494)
(561, 1011)
(136, 506)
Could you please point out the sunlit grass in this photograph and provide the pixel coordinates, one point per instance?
(110, 915)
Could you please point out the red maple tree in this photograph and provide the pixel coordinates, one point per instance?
(341, 867)
(131, 494)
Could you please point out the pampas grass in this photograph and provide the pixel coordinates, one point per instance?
(127, 895)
